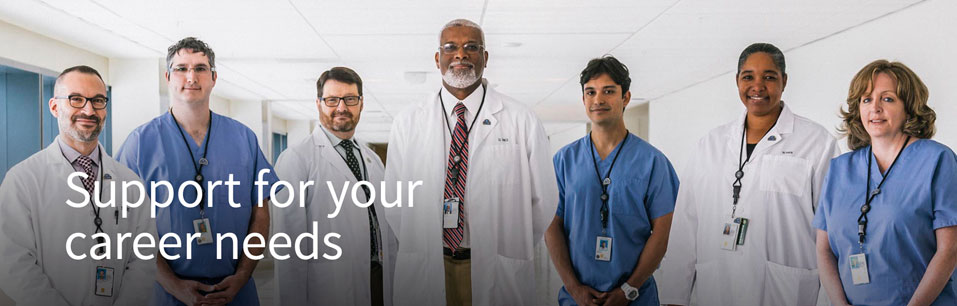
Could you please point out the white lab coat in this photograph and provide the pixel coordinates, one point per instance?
(779, 193)
(35, 222)
(511, 196)
(344, 281)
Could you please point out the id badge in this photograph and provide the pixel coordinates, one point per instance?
(450, 213)
(201, 227)
(742, 229)
(858, 264)
(729, 235)
(603, 248)
(103, 281)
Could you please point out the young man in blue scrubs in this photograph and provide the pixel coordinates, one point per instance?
(191, 143)
(616, 196)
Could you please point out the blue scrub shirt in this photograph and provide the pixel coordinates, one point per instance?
(919, 196)
(156, 152)
(643, 187)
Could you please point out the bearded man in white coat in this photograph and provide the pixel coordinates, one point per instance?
(488, 189)
(362, 274)
(36, 221)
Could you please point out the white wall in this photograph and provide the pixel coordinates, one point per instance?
(220, 106)
(25, 47)
(298, 130)
(135, 95)
(250, 113)
(922, 37)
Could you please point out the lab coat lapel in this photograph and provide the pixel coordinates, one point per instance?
(331, 156)
(493, 104)
(785, 125)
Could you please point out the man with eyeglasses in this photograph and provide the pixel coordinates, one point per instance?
(36, 221)
(191, 143)
(333, 154)
(488, 186)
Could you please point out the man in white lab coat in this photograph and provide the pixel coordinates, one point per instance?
(741, 232)
(488, 186)
(362, 275)
(36, 221)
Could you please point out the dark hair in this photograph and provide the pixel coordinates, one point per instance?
(191, 44)
(607, 65)
(341, 74)
(776, 55)
(79, 69)
(910, 90)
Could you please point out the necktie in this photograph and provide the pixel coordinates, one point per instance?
(353, 163)
(455, 176)
(87, 164)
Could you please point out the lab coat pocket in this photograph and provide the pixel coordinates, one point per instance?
(784, 285)
(510, 277)
(785, 174)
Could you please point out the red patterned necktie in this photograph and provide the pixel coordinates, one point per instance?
(455, 175)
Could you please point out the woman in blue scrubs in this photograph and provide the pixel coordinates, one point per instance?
(898, 244)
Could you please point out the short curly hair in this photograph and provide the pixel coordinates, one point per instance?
(910, 89)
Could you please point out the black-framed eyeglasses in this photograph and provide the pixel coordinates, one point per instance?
(334, 101)
(79, 101)
(450, 48)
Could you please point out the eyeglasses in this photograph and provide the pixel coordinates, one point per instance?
(79, 101)
(183, 70)
(334, 101)
(450, 48)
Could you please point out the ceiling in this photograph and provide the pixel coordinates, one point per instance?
(275, 50)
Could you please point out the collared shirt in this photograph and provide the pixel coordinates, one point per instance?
(337, 144)
(72, 155)
(472, 103)
(643, 187)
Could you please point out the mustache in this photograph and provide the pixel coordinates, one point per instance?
(461, 62)
(342, 113)
(600, 108)
(76, 117)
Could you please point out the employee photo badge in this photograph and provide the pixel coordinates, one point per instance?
(603, 248)
(450, 213)
(729, 235)
(201, 227)
(104, 281)
(858, 264)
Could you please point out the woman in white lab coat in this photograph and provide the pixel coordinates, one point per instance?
(742, 231)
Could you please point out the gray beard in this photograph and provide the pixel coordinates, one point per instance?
(460, 80)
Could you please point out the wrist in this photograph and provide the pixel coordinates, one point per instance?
(631, 292)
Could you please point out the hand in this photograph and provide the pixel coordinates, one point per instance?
(616, 297)
(586, 296)
(187, 291)
(228, 288)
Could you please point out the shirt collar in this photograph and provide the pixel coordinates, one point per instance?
(472, 102)
(72, 154)
(335, 140)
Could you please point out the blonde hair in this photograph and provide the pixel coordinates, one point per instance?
(910, 89)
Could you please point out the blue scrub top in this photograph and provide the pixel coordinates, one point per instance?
(156, 152)
(919, 196)
(643, 187)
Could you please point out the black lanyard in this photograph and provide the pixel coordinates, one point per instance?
(869, 195)
(202, 160)
(604, 182)
(457, 159)
(736, 186)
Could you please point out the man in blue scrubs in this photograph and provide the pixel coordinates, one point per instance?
(191, 143)
(616, 196)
